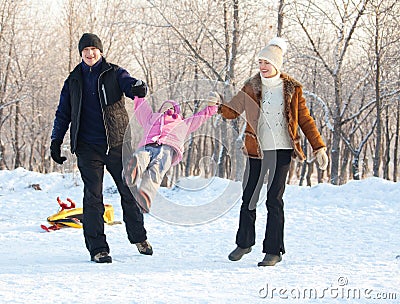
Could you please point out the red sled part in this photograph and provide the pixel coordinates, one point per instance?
(69, 216)
(50, 228)
(57, 224)
(64, 206)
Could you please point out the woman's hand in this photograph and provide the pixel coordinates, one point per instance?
(213, 99)
(322, 158)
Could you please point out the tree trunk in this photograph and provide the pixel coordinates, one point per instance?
(3, 165)
(3, 91)
(378, 143)
(191, 143)
(230, 61)
(396, 143)
(310, 170)
(222, 152)
(280, 18)
(386, 161)
(355, 166)
(16, 143)
(304, 164)
(335, 150)
(343, 168)
(365, 166)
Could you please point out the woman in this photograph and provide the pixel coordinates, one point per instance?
(275, 108)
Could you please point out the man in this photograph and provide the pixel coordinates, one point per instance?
(92, 105)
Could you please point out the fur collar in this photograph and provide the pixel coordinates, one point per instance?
(289, 83)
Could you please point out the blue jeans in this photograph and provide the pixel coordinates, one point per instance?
(160, 162)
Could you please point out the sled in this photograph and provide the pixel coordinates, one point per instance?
(69, 216)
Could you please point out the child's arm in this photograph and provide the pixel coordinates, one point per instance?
(142, 110)
(194, 122)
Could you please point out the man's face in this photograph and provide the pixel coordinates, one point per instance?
(91, 55)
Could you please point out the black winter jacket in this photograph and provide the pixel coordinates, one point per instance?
(113, 82)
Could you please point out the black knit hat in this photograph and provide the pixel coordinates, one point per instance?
(87, 40)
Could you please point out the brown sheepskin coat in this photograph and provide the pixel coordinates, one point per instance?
(248, 100)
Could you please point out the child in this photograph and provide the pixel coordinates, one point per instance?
(161, 146)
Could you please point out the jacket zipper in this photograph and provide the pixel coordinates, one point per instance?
(78, 122)
(102, 110)
(104, 93)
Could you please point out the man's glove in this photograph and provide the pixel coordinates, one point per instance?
(322, 158)
(139, 89)
(55, 151)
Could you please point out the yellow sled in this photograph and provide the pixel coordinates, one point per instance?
(69, 216)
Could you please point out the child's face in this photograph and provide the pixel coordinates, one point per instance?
(167, 107)
(170, 108)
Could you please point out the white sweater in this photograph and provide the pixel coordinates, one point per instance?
(272, 127)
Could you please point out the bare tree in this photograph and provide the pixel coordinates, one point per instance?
(345, 53)
(281, 15)
(72, 16)
(381, 30)
(6, 18)
(344, 22)
(396, 142)
(211, 50)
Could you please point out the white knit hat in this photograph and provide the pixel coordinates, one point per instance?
(273, 52)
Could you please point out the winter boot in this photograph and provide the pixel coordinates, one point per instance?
(102, 257)
(238, 253)
(270, 260)
(144, 247)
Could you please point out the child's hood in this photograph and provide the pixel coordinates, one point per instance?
(173, 103)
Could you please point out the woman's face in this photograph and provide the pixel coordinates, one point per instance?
(267, 70)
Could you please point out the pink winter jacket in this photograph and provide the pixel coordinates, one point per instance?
(168, 128)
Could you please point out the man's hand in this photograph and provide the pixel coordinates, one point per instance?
(139, 89)
(55, 151)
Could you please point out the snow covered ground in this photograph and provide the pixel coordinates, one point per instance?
(342, 245)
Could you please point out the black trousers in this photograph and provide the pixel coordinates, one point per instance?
(276, 164)
(91, 162)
